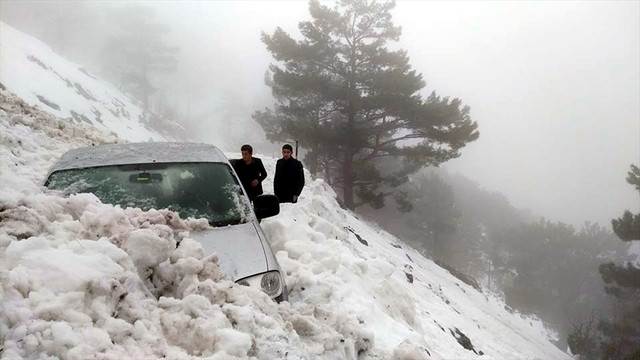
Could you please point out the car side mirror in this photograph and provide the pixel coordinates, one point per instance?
(265, 206)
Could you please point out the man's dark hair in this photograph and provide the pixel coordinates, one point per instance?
(288, 147)
(247, 147)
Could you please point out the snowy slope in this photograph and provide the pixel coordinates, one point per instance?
(81, 279)
(31, 70)
(337, 261)
(76, 284)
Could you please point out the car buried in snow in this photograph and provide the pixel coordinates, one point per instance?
(194, 180)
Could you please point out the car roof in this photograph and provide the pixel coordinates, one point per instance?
(138, 153)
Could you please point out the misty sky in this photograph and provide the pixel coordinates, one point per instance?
(554, 87)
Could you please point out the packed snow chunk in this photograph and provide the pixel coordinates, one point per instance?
(59, 270)
(396, 301)
(409, 351)
(63, 334)
(22, 222)
(329, 230)
(305, 326)
(96, 338)
(233, 343)
(147, 249)
(188, 247)
(192, 324)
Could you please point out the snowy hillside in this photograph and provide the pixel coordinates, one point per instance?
(81, 279)
(31, 70)
(75, 278)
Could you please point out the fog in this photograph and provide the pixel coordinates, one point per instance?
(553, 86)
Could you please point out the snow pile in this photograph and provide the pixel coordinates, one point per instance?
(31, 70)
(84, 279)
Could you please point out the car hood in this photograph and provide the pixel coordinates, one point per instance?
(239, 249)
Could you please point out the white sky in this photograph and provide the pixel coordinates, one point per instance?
(555, 89)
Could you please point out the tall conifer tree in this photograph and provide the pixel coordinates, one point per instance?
(355, 104)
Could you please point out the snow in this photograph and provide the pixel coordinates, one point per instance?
(82, 279)
(31, 70)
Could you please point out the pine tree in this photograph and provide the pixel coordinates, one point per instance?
(435, 206)
(356, 105)
(622, 333)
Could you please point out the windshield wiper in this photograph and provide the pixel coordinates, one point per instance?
(220, 223)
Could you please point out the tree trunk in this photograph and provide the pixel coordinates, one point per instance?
(435, 246)
(347, 182)
(347, 167)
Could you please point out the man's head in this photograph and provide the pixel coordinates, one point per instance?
(247, 151)
(287, 150)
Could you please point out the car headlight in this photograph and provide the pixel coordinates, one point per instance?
(269, 282)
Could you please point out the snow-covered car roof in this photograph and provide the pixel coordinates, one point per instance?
(138, 153)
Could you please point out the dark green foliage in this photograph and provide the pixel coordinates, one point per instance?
(621, 331)
(434, 202)
(583, 339)
(554, 270)
(136, 50)
(450, 218)
(618, 277)
(633, 177)
(356, 104)
(426, 215)
(627, 227)
(620, 334)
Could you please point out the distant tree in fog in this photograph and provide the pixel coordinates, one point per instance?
(554, 273)
(353, 102)
(622, 330)
(436, 214)
(136, 50)
(628, 226)
(475, 218)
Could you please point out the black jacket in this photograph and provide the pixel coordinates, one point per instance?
(289, 179)
(249, 172)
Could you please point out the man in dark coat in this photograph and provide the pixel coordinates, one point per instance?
(289, 179)
(250, 171)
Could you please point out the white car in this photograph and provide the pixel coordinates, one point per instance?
(195, 180)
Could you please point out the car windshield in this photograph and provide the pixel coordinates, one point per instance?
(197, 190)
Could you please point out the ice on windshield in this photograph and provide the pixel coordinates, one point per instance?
(196, 190)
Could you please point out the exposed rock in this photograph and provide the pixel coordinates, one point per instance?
(48, 103)
(362, 241)
(409, 277)
(464, 341)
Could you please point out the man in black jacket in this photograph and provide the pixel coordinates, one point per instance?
(250, 171)
(289, 179)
